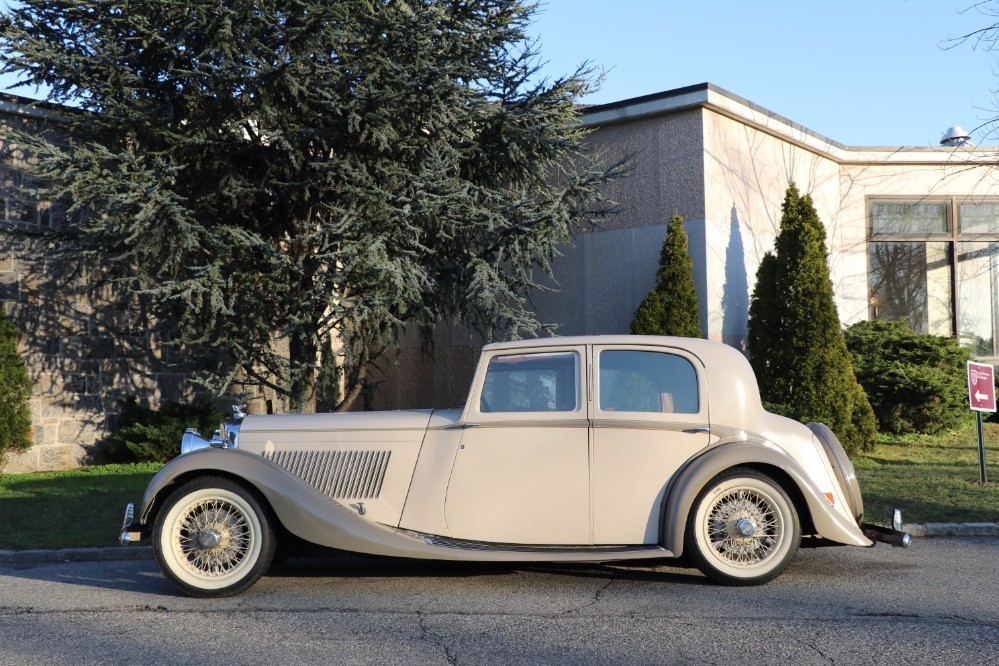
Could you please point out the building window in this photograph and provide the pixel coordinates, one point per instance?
(935, 265)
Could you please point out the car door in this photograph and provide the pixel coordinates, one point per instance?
(521, 473)
(650, 415)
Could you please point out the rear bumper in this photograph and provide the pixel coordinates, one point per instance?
(891, 535)
(896, 538)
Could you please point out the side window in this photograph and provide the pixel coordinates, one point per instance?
(645, 381)
(531, 383)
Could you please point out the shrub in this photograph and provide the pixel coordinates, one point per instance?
(15, 392)
(671, 308)
(153, 435)
(916, 382)
(798, 352)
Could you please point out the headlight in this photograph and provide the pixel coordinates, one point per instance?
(192, 441)
(226, 437)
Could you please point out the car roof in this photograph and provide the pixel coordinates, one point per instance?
(695, 345)
(736, 395)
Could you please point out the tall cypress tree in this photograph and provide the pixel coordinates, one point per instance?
(764, 319)
(671, 308)
(271, 174)
(15, 391)
(796, 342)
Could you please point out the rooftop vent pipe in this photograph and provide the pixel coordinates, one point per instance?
(955, 136)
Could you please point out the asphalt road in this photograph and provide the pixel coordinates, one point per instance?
(937, 602)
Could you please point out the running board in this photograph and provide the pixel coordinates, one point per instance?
(519, 552)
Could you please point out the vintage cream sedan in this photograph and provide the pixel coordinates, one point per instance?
(601, 448)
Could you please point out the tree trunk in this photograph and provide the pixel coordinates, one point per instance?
(302, 357)
(351, 395)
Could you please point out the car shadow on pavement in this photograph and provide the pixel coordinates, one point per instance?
(388, 567)
(120, 575)
(143, 576)
(671, 574)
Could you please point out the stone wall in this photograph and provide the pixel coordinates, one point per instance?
(79, 369)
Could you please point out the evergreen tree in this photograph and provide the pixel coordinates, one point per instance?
(15, 391)
(268, 174)
(764, 318)
(796, 342)
(671, 308)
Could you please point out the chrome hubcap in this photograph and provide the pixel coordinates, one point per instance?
(209, 539)
(746, 527)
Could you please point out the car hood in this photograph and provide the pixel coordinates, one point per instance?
(412, 419)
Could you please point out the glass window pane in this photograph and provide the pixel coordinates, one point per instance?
(980, 218)
(909, 218)
(977, 280)
(531, 383)
(640, 381)
(912, 282)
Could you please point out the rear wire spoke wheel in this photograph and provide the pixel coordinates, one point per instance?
(743, 529)
(213, 538)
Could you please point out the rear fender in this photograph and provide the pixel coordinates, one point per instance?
(699, 472)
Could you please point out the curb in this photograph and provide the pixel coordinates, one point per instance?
(7, 557)
(75, 555)
(952, 529)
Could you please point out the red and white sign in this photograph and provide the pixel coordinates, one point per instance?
(981, 387)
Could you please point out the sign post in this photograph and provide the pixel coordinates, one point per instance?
(982, 398)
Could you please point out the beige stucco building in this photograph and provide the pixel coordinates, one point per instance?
(913, 233)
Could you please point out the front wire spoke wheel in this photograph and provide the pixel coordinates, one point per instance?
(213, 537)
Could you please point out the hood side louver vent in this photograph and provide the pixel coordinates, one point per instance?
(337, 474)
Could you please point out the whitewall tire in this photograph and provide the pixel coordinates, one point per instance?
(213, 538)
(743, 529)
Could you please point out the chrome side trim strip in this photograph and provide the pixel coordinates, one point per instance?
(678, 426)
(462, 544)
(526, 423)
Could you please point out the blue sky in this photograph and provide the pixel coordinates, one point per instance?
(862, 73)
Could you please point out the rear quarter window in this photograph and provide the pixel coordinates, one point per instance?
(647, 381)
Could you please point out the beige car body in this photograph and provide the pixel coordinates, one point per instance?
(577, 485)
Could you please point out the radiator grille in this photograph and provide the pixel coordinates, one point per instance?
(337, 474)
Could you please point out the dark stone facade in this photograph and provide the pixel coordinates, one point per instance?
(80, 370)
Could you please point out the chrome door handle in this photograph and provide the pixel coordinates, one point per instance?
(698, 429)
(462, 426)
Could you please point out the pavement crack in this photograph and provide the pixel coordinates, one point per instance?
(888, 614)
(433, 638)
(821, 653)
(254, 608)
(597, 596)
(895, 615)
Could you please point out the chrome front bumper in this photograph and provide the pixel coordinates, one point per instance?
(130, 532)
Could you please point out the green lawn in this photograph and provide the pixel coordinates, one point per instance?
(73, 508)
(931, 478)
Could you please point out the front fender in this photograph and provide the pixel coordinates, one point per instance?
(699, 471)
(303, 510)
